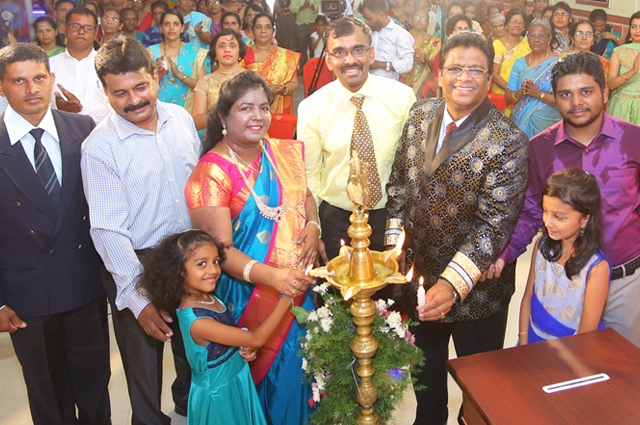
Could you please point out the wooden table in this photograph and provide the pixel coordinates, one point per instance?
(504, 387)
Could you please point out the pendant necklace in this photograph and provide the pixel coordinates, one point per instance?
(271, 213)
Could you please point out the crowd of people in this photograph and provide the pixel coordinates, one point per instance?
(128, 124)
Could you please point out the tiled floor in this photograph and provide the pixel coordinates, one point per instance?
(13, 401)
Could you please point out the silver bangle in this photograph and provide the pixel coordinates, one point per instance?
(315, 223)
(3, 306)
(246, 274)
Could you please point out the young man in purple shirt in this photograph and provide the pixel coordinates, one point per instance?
(606, 147)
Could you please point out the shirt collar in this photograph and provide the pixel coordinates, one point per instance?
(126, 128)
(447, 119)
(389, 26)
(90, 56)
(607, 130)
(18, 127)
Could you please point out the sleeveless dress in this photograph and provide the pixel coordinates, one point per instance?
(557, 301)
(625, 100)
(222, 390)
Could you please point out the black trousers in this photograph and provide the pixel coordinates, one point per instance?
(335, 223)
(142, 360)
(65, 364)
(470, 337)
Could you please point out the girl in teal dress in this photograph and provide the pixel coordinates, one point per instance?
(182, 272)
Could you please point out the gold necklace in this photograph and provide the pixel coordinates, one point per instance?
(270, 213)
(172, 79)
(212, 302)
(233, 71)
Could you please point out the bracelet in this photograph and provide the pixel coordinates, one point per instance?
(246, 274)
(286, 89)
(315, 223)
(513, 96)
(542, 96)
(3, 306)
(523, 333)
(624, 75)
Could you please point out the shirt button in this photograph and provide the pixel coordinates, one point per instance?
(17, 204)
(52, 252)
(177, 201)
(79, 246)
(171, 180)
(32, 232)
(84, 218)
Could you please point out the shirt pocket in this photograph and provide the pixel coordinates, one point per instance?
(620, 191)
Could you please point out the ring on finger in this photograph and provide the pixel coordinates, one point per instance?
(293, 291)
(295, 282)
(442, 314)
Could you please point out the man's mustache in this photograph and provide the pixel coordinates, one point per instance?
(131, 108)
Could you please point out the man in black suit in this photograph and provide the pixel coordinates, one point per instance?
(51, 297)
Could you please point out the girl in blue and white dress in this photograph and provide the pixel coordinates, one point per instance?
(569, 277)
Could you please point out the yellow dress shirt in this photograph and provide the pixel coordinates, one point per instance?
(325, 124)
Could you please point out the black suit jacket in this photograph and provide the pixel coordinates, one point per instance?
(48, 264)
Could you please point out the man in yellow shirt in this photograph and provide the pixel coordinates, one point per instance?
(325, 123)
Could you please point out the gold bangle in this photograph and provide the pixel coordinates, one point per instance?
(523, 333)
(246, 274)
(542, 96)
(513, 96)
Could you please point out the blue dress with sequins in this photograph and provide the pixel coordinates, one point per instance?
(222, 390)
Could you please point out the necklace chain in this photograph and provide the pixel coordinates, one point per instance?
(212, 302)
(271, 213)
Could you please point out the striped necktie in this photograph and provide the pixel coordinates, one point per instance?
(450, 127)
(44, 167)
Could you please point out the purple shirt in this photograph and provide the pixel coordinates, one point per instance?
(613, 157)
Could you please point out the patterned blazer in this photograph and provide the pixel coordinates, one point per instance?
(459, 206)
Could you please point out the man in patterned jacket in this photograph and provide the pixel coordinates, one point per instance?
(456, 186)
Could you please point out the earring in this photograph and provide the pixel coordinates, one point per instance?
(224, 130)
(582, 231)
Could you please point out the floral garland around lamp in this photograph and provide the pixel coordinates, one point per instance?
(330, 365)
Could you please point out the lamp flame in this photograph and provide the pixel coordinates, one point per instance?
(409, 275)
(421, 280)
(400, 241)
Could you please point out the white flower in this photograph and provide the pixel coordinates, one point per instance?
(390, 302)
(381, 305)
(308, 337)
(316, 394)
(305, 366)
(312, 317)
(321, 289)
(394, 319)
(384, 330)
(323, 312)
(320, 381)
(326, 324)
(400, 332)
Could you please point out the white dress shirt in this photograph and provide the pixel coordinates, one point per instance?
(134, 182)
(80, 78)
(393, 44)
(446, 120)
(19, 128)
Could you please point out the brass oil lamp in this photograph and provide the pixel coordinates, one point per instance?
(358, 273)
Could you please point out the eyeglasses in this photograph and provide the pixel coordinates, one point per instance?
(459, 29)
(516, 22)
(76, 27)
(583, 33)
(108, 19)
(356, 52)
(537, 36)
(560, 15)
(211, 3)
(137, 1)
(420, 19)
(458, 70)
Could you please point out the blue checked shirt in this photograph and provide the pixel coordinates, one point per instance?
(134, 182)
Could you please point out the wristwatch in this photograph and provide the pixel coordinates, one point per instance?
(388, 67)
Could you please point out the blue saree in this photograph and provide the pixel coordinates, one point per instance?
(216, 181)
(531, 114)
